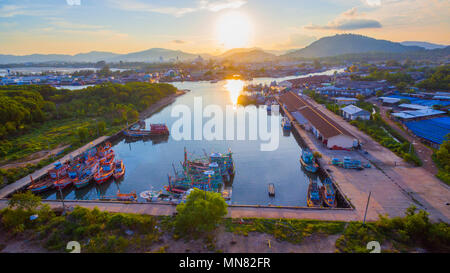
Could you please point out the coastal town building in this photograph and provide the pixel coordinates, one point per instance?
(353, 112)
(325, 129)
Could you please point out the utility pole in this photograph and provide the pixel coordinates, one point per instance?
(367, 206)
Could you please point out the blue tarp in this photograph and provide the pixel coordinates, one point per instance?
(433, 130)
(423, 102)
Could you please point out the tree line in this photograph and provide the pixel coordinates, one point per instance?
(22, 107)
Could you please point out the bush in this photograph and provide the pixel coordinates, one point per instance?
(201, 212)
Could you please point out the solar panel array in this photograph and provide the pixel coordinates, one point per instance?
(433, 130)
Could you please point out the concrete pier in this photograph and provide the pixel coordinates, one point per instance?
(25, 181)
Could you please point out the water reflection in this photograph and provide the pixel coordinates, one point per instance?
(235, 88)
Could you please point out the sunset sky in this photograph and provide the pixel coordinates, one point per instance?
(210, 26)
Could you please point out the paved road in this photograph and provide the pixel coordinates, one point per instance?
(8, 189)
(233, 212)
(395, 185)
(422, 151)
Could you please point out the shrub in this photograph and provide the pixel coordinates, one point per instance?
(201, 212)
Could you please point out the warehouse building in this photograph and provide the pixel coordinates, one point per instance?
(324, 129)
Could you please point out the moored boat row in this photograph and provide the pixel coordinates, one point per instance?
(96, 164)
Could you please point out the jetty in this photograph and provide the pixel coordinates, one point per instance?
(25, 181)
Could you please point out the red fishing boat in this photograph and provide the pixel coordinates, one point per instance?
(126, 196)
(63, 183)
(104, 173)
(40, 186)
(119, 170)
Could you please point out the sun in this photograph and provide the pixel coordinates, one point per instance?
(234, 30)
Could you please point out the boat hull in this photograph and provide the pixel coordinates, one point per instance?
(310, 168)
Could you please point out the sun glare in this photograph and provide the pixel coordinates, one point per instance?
(234, 30)
(235, 88)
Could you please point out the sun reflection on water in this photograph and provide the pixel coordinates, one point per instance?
(235, 88)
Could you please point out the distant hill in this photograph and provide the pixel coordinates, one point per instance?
(154, 55)
(425, 45)
(349, 44)
(151, 55)
(253, 55)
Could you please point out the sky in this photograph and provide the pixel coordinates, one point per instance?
(210, 26)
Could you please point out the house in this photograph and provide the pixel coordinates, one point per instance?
(417, 114)
(325, 129)
(353, 112)
(345, 101)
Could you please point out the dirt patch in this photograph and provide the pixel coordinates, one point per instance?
(34, 158)
(19, 244)
(255, 242)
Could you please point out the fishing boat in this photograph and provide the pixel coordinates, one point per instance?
(104, 173)
(86, 176)
(40, 186)
(119, 169)
(286, 123)
(155, 130)
(328, 193)
(60, 170)
(308, 162)
(271, 189)
(150, 196)
(175, 189)
(313, 196)
(130, 197)
(63, 183)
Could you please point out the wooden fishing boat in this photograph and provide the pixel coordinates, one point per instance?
(86, 176)
(60, 170)
(175, 189)
(40, 186)
(271, 189)
(313, 197)
(104, 173)
(119, 170)
(155, 130)
(286, 123)
(63, 183)
(328, 193)
(130, 197)
(308, 162)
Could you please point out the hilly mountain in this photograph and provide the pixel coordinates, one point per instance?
(154, 55)
(425, 45)
(349, 44)
(252, 55)
(151, 55)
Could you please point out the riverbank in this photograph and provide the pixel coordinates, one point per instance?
(111, 232)
(114, 131)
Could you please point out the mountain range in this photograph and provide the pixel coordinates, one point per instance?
(325, 47)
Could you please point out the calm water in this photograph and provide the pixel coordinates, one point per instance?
(149, 163)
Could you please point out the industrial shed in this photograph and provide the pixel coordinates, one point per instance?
(324, 128)
(432, 131)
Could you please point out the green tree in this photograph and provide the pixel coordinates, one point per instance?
(201, 212)
(83, 134)
(101, 126)
(442, 159)
(26, 201)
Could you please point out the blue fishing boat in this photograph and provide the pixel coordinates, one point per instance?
(286, 123)
(313, 197)
(328, 193)
(308, 161)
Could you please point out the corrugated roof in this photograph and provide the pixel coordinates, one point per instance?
(351, 109)
(434, 129)
(325, 125)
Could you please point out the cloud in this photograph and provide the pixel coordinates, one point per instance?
(210, 5)
(373, 3)
(180, 42)
(218, 5)
(349, 20)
